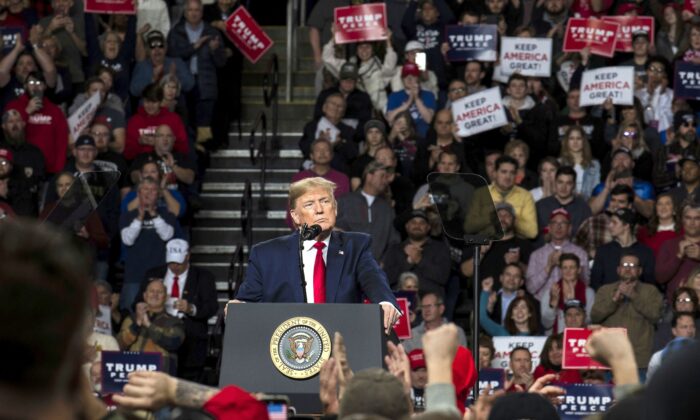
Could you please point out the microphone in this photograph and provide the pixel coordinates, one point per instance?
(310, 232)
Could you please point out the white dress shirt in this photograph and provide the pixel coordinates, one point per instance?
(170, 303)
(309, 259)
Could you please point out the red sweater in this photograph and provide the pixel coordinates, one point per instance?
(47, 129)
(143, 123)
(670, 270)
(656, 240)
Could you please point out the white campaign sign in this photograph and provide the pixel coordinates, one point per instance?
(608, 82)
(82, 117)
(527, 56)
(481, 111)
(504, 345)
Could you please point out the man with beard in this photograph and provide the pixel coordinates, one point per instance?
(28, 164)
(47, 127)
(497, 254)
(420, 254)
(552, 22)
(474, 75)
(690, 181)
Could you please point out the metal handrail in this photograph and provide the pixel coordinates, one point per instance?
(261, 119)
(271, 96)
(247, 213)
(293, 23)
(235, 271)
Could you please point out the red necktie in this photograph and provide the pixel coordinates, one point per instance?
(319, 274)
(175, 292)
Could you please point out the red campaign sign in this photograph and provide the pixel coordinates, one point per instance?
(248, 36)
(628, 26)
(117, 7)
(597, 34)
(366, 22)
(403, 327)
(575, 355)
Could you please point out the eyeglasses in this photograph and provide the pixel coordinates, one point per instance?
(96, 134)
(156, 45)
(689, 124)
(4, 163)
(632, 134)
(35, 82)
(431, 305)
(684, 300)
(656, 69)
(457, 90)
(629, 265)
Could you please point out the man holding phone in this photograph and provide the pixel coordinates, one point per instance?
(46, 127)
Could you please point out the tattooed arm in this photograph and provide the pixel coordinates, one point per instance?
(154, 390)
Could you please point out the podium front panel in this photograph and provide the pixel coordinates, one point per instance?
(250, 327)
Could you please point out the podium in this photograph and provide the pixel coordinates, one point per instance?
(278, 348)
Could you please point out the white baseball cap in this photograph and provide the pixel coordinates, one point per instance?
(414, 46)
(176, 251)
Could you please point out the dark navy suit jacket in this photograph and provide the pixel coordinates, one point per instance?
(351, 271)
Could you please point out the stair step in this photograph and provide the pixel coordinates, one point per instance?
(250, 92)
(232, 201)
(279, 32)
(231, 235)
(236, 175)
(233, 153)
(299, 78)
(240, 186)
(244, 162)
(305, 63)
(236, 215)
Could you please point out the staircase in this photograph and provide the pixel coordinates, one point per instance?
(217, 231)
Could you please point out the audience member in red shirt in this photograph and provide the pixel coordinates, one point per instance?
(662, 226)
(550, 362)
(141, 128)
(46, 127)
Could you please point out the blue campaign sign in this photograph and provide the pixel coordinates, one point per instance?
(116, 366)
(493, 378)
(472, 42)
(582, 400)
(9, 38)
(687, 80)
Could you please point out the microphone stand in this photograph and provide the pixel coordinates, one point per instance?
(301, 262)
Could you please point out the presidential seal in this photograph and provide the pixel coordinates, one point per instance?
(299, 347)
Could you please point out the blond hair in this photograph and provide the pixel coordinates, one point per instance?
(299, 188)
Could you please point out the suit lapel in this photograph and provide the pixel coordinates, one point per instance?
(334, 266)
(190, 285)
(294, 276)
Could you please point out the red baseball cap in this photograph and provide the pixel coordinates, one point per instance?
(410, 69)
(6, 154)
(417, 359)
(561, 211)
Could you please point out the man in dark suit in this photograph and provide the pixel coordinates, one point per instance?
(338, 266)
(192, 297)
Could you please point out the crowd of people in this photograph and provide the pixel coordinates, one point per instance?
(167, 81)
(597, 204)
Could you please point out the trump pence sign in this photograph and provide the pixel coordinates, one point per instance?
(366, 22)
(479, 112)
(597, 34)
(247, 35)
(600, 84)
